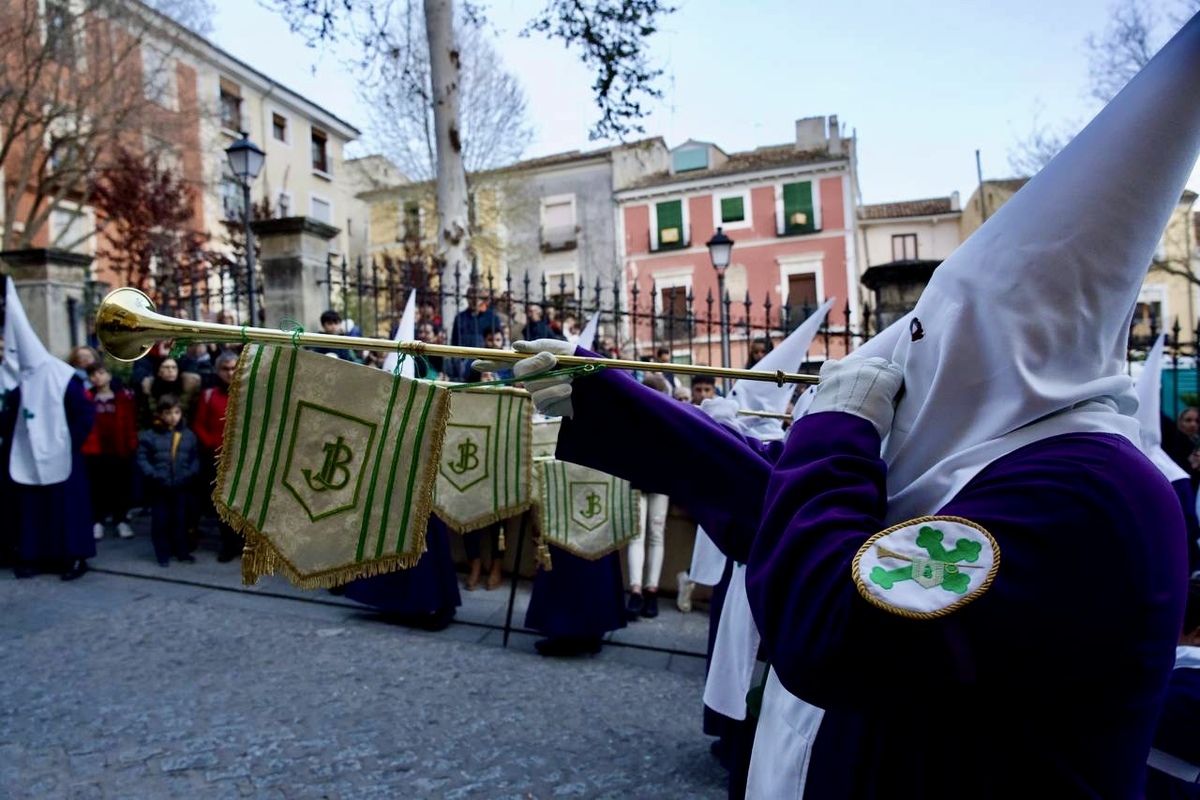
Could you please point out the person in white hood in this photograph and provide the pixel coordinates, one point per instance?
(964, 511)
(51, 419)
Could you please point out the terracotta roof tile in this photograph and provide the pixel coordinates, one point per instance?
(762, 158)
(908, 208)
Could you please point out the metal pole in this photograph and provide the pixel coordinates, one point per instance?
(725, 359)
(253, 301)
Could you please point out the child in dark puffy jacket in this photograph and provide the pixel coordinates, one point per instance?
(168, 455)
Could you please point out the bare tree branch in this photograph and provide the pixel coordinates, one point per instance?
(495, 129)
(82, 79)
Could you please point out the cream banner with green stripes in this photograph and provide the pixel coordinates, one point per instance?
(327, 468)
(485, 472)
(584, 511)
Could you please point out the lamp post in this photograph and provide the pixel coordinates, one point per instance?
(246, 160)
(720, 248)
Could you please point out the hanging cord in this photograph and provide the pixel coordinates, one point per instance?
(578, 370)
(296, 329)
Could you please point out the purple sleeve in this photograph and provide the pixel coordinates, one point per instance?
(665, 446)
(1063, 511)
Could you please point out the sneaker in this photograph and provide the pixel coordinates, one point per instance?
(633, 609)
(124, 530)
(650, 605)
(98, 531)
(683, 601)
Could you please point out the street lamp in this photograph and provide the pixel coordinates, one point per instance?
(246, 160)
(720, 248)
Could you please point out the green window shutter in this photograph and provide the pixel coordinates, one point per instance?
(732, 209)
(670, 223)
(798, 210)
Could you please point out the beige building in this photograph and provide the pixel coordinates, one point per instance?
(901, 244)
(304, 173)
(1170, 292)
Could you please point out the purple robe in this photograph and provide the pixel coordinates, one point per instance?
(983, 702)
(578, 598)
(428, 587)
(55, 522)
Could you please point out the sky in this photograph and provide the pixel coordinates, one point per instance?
(922, 84)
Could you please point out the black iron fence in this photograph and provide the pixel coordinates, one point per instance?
(636, 319)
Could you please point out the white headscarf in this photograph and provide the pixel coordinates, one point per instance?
(1021, 333)
(1149, 413)
(41, 448)
(766, 396)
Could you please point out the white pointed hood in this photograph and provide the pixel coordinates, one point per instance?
(1149, 413)
(766, 396)
(588, 337)
(406, 331)
(41, 448)
(1021, 333)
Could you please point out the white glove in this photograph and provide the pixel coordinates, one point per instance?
(722, 410)
(551, 396)
(864, 387)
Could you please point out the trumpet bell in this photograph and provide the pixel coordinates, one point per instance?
(122, 318)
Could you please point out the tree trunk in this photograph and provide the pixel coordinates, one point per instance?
(453, 232)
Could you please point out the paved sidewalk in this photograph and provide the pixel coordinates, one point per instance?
(671, 631)
(120, 686)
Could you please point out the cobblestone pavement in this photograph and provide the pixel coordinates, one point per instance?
(128, 687)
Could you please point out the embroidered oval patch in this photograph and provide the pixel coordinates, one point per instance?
(926, 567)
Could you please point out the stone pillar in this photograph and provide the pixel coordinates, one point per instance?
(52, 286)
(294, 253)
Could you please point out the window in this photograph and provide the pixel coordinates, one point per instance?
(283, 206)
(231, 198)
(320, 209)
(733, 209)
(158, 77)
(60, 32)
(558, 222)
(690, 158)
(904, 247)
(71, 229)
(67, 150)
(670, 224)
(799, 211)
(560, 287)
(231, 106)
(1148, 315)
(412, 221)
(279, 128)
(320, 151)
(802, 291)
(801, 299)
(674, 305)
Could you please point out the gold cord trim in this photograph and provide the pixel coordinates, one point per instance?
(856, 571)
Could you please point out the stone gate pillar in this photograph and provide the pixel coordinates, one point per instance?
(52, 285)
(294, 253)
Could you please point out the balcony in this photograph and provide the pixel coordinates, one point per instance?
(563, 237)
(668, 239)
(797, 224)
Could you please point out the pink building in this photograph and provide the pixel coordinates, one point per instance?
(790, 211)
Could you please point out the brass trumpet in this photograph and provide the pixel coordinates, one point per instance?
(128, 326)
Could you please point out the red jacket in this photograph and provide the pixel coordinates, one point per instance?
(115, 430)
(210, 418)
